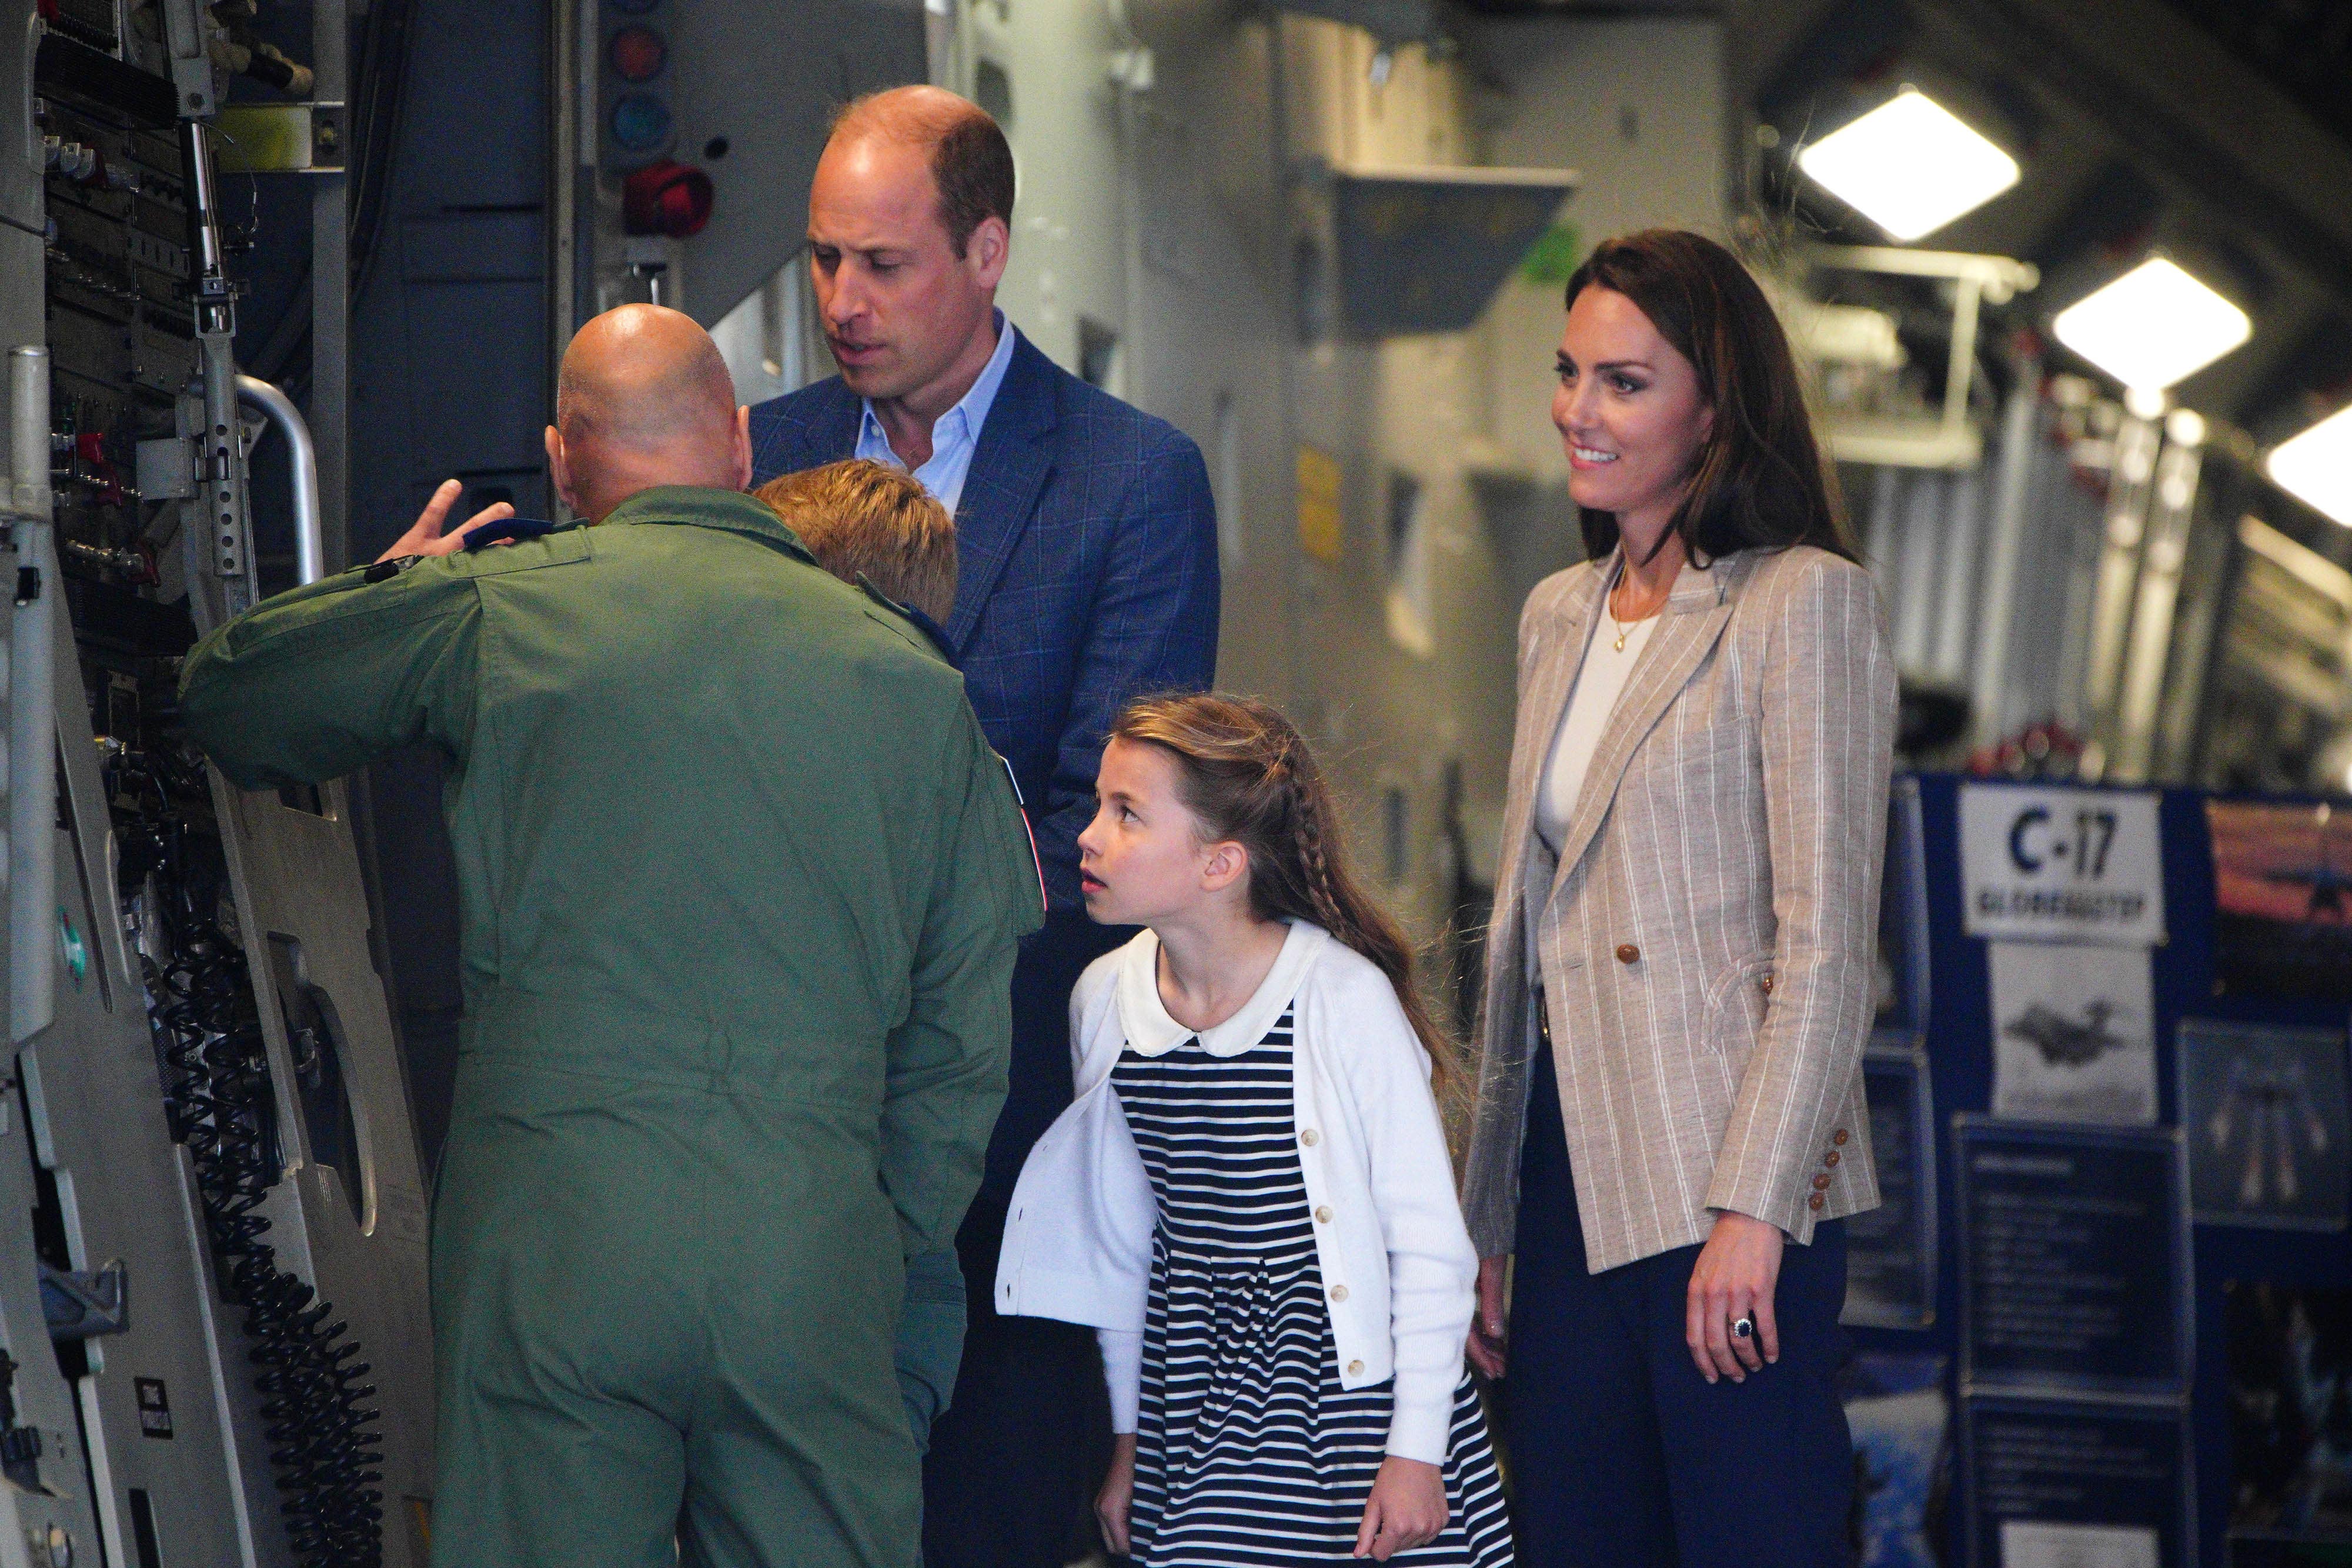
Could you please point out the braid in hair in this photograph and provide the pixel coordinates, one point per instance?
(1247, 777)
(1307, 833)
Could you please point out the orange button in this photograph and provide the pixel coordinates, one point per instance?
(1816, 1201)
(1766, 983)
(1838, 1136)
(1820, 1181)
(1832, 1159)
(1627, 953)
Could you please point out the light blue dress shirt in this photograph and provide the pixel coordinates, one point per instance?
(954, 435)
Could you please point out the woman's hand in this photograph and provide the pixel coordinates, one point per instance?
(1407, 1509)
(1490, 1327)
(1734, 1279)
(1117, 1494)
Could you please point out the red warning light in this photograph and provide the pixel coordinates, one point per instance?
(639, 54)
(665, 198)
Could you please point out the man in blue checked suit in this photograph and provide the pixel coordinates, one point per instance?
(1087, 574)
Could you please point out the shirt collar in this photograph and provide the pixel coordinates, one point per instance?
(1151, 1031)
(962, 422)
(729, 510)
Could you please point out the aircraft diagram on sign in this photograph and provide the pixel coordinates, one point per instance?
(2271, 1102)
(2064, 1041)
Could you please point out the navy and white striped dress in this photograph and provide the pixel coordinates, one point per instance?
(1249, 1452)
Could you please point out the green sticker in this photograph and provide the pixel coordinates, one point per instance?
(1551, 261)
(69, 942)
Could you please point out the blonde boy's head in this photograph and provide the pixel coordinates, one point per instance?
(862, 519)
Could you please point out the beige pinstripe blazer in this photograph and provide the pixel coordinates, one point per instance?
(1706, 938)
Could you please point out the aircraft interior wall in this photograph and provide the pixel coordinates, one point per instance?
(1162, 248)
(236, 1014)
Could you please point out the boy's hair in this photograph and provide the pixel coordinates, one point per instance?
(1245, 774)
(863, 518)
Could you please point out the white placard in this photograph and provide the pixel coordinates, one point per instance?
(2036, 1543)
(2044, 863)
(2074, 1033)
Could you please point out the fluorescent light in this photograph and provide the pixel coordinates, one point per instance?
(2152, 326)
(1910, 166)
(2316, 467)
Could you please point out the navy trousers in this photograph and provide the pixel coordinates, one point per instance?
(1622, 1455)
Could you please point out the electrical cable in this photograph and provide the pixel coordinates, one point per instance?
(316, 1408)
(380, 78)
(379, 81)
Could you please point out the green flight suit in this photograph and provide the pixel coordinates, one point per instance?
(742, 883)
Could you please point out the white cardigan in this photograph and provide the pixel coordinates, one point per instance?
(1398, 1271)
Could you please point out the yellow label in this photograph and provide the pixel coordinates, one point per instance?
(1318, 504)
(263, 138)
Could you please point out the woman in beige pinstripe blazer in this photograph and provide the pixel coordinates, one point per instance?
(1670, 1121)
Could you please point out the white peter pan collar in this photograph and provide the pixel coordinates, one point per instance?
(1143, 1018)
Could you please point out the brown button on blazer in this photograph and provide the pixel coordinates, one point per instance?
(1730, 835)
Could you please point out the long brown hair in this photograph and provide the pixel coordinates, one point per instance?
(1245, 772)
(1759, 479)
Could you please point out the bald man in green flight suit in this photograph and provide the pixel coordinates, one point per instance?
(741, 884)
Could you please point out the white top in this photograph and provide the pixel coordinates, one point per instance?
(955, 434)
(1398, 1271)
(1600, 681)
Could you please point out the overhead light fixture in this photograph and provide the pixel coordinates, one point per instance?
(1910, 165)
(2316, 467)
(2152, 326)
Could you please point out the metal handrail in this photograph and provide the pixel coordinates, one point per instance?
(309, 537)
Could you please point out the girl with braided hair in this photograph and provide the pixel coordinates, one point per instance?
(1250, 1198)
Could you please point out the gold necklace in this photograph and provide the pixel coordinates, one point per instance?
(1620, 628)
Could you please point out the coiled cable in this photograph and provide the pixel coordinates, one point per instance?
(316, 1405)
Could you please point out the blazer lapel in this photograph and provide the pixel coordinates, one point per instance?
(999, 491)
(1695, 614)
(822, 428)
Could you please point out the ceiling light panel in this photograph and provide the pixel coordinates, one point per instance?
(1910, 166)
(2316, 467)
(2152, 326)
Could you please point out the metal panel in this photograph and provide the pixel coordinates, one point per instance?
(356, 1232)
(1423, 250)
(48, 1498)
(109, 1138)
(768, 80)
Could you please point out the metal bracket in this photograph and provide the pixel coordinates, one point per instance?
(280, 139)
(1949, 440)
(83, 1304)
(191, 65)
(22, 1448)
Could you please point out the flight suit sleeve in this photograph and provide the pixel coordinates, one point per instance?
(930, 1348)
(316, 682)
(947, 1060)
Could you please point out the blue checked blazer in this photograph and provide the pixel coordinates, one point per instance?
(1087, 547)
